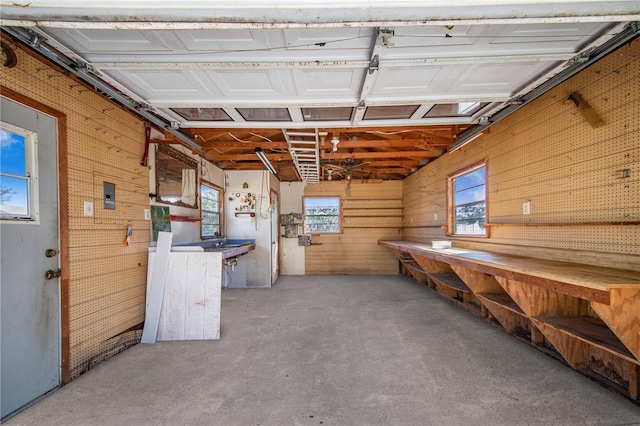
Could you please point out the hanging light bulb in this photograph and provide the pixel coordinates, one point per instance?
(335, 141)
(329, 174)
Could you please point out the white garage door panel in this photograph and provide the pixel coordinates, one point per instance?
(346, 37)
(327, 83)
(415, 80)
(503, 78)
(559, 37)
(167, 85)
(98, 45)
(243, 85)
(233, 39)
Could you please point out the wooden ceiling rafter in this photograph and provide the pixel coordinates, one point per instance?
(389, 152)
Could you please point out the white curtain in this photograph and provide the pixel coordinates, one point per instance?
(189, 186)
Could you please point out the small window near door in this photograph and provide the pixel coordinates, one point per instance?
(211, 211)
(18, 174)
(467, 201)
(322, 215)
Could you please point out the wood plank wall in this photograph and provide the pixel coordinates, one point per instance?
(548, 154)
(370, 211)
(107, 280)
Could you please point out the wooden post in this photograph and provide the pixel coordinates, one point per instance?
(634, 381)
(537, 338)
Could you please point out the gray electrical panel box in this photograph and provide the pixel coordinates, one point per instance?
(109, 195)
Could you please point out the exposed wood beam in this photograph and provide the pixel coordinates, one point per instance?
(249, 157)
(240, 145)
(396, 154)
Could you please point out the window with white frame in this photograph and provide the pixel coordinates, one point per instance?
(321, 215)
(18, 174)
(211, 210)
(467, 201)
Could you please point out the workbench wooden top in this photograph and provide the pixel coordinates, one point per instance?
(593, 277)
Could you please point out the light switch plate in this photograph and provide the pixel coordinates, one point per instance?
(526, 207)
(435, 217)
(147, 214)
(88, 208)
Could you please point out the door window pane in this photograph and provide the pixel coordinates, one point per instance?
(17, 173)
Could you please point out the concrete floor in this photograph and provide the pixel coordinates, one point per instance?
(336, 350)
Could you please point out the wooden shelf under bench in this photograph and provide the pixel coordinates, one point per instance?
(589, 314)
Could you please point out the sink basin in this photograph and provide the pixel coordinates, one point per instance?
(228, 248)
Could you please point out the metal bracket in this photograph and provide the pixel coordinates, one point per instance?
(374, 64)
(635, 26)
(582, 57)
(386, 34)
(515, 101)
(35, 40)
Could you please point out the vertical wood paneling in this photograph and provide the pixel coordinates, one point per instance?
(547, 153)
(106, 280)
(370, 212)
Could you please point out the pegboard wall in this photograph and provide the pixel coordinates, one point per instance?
(107, 279)
(571, 173)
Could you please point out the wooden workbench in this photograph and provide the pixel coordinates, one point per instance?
(590, 315)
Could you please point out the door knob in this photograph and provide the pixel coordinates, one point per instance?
(50, 253)
(50, 274)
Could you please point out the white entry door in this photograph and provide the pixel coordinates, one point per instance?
(29, 302)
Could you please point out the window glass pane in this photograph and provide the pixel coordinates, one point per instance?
(14, 196)
(390, 112)
(13, 153)
(322, 215)
(476, 193)
(210, 213)
(471, 179)
(329, 114)
(264, 114)
(469, 202)
(469, 228)
(463, 109)
(470, 212)
(202, 114)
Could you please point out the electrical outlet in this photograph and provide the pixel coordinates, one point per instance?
(435, 217)
(526, 207)
(88, 208)
(147, 214)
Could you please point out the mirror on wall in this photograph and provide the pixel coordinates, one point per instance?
(176, 178)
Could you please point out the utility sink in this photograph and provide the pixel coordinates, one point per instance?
(228, 248)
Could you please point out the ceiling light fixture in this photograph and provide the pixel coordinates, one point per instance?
(335, 141)
(263, 157)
